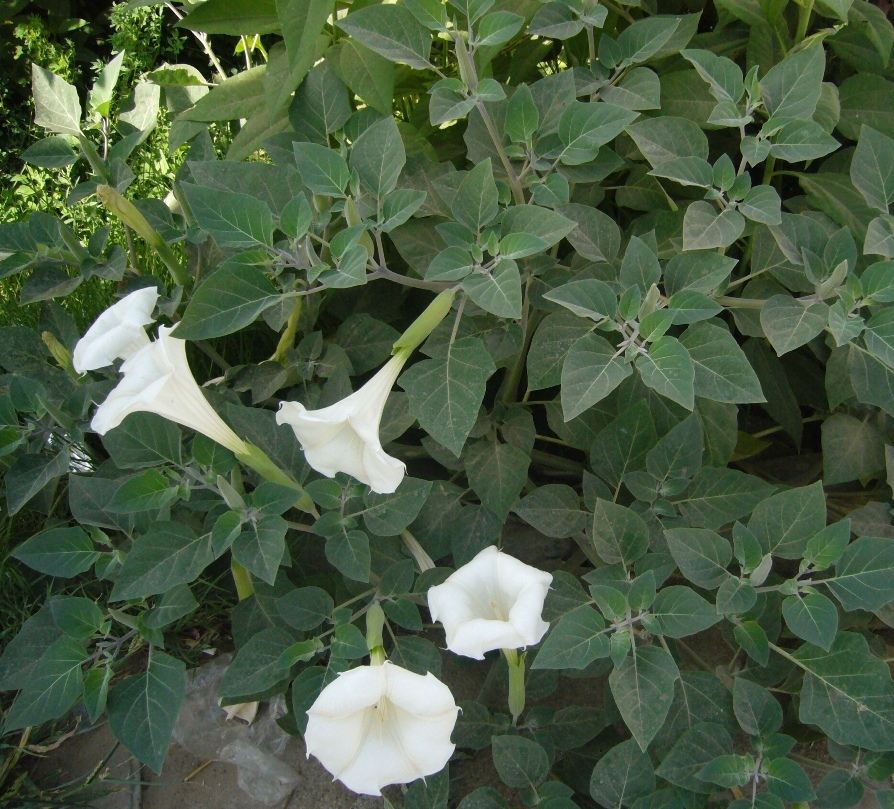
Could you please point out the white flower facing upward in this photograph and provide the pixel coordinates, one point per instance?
(157, 379)
(380, 725)
(493, 602)
(118, 333)
(344, 437)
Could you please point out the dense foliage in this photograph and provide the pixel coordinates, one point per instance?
(668, 234)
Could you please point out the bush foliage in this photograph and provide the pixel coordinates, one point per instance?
(671, 350)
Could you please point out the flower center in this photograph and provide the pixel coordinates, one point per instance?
(495, 606)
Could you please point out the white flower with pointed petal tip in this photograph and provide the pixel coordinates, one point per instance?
(380, 725)
(493, 602)
(344, 437)
(117, 333)
(157, 379)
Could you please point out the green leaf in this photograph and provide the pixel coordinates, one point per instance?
(852, 449)
(54, 152)
(144, 492)
(166, 555)
(705, 228)
(722, 74)
(554, 337)
(368, 75)
(255, 668)
(752, 638)
(349, 553)
(622, 775)
(697, 271)
(839, 789)
(143, 709)
(619, 534)
(261, 546)
(586, 298)
(445, 393)
(56, 103)
(174, 604)
(378, 156)
(520, 762)
(640, 266)
(791, 89)
(497, 473)
(63, 552)
(591, 371)
(716, 497)
(701, 555)
(641, 40)
(785, 522)
(236, 19)
(872, 168)
(638, 89)
(812, 617)
(789, 324)
(762, 204)
(498, 28)
(864, 575)
(726, 771)
(389, 514)
(643, 688)
(52, 689)
(391, 31)
(532, 220)
(555, 20)
(696, 748)
(29, 474)
(621, 447)
(757, 710)
(597, 237)
(584, 127)
(575, 641)
(665, 138)
(787, 780)
(321, 104)
(323, 170)
(668, 369)
(848, 693)
(553, 509)
(681, 612)
(498, 291)
(522, 116)
(231, 219)
(475, 204)
(143, 439)
(301, 22)
(692, 171)
(722, 371)
(79, 618)
(802, 140)
(349, 643)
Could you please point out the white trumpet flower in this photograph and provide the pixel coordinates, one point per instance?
(344, 437)
(157, 379)
(493, 602)
(118, 333)
(380, 725)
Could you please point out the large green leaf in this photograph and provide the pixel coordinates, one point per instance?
(864, 575)
(792, 88)
(56, 103)
(446, 392)
(233, 17)
(619, 534)
(643, 688)
(785, 522)
(391, 31)
(553, 509)
(231, 219)
(848, 693)
(722, 371)
(622, 775)
(701, 555)
(378, 156)
(144, 708)
(669, 370)
(592, 370)
(497, 473)
(872, 168)
(63, 552)
(789, 324)
(229, 300)
(576, 641)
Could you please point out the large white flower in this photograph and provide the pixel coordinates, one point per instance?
(157, 379)
(344, 437)
(380, 725)
(118, 333)
(493, 602)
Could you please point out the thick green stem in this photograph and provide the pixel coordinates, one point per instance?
(287, 340)
(255, 458)
(244, 587)
(516, 664)
(804, 14)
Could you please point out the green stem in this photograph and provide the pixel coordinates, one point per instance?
(516, 664)
(287, 340)
(804, 14)
(256, 459)
(740, 303)
(518, 194)
(244, 587)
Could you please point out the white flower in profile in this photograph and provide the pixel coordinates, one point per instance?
(380, 725)
(117, 333)
(493, 602)
(157, 379)
(344, 437)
